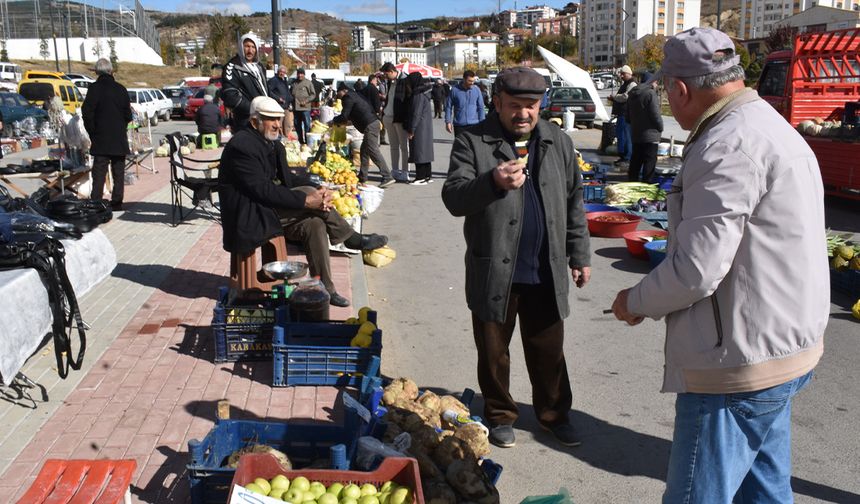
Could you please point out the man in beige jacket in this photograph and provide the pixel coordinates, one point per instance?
(744, 287)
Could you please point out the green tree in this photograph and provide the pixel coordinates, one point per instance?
(781, 37)
(744, 54)
(219, 38)
(43, 49)
(646, 54)
(114, 60)
(4, 54)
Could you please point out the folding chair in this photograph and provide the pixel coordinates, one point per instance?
(184, 184)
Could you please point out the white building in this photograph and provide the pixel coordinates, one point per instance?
(759, 17)
(819, 19)
(460, 52)
(361, 39)
(528, 16)
(607, 27)
(558, 25)
(295, 38)
(376, 57)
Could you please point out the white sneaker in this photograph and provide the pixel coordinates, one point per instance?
(428, 180)
(418, 182)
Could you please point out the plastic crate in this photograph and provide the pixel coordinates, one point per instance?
(593, 192)
(242, 332)
(847, 281)
(319, 354)
(302, 443)
(403, 471)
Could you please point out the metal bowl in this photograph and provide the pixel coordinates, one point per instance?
(285, 270)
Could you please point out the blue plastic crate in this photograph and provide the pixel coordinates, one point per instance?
(303, 444)
(242, 332)
(593, 192)
(847, 281)
(319, 354)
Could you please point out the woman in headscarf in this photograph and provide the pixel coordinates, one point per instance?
(419, 128)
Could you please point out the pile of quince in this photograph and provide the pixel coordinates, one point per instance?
(318, 127)
(363, 338)
(346, 203)
(320, 169)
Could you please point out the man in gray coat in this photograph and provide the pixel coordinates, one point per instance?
(516, 180)
(646, 126)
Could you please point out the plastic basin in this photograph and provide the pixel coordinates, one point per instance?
(635, 243)
(656, 251)
(609, 229)
(599, 207)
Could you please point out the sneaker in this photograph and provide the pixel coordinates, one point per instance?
(503, 436)
(428, 180)
(386, 183)
(564, 434)
(338, 300)
(418, 182)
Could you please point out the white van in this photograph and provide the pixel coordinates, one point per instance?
(329, 77)
(10, 71)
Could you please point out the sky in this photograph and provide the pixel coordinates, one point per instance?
(380, 11)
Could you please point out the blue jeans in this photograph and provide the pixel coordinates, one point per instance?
(302, 122)
(733, 447)
(625, 140)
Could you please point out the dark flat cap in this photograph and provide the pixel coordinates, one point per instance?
(521, 81)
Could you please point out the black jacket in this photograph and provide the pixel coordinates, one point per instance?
(371, 94)
(279, 89)
(643, 112)
(401, 99)
(238, 88)
(106, 113)
(253, 180)
(439, 93)
(208, 118)
(356, 110)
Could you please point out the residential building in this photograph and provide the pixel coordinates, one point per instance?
(760, 17)
(559, 25)
(509, 18)
(361, 39)
(516, 36)
(457, 53)
(294, 38)
(820, 18)
(527, 17)
(376, 57)
(607, 27)
(418, 34)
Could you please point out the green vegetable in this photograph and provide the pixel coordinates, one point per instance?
(628, 193)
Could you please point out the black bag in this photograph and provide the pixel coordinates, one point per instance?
(47, 256)
(84, 215)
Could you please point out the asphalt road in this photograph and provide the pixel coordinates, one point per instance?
(625, 423)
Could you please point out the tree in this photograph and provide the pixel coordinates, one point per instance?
(218, 37)
(114, 60)
(781, 37)
(744, 54)
(646, 54)
(43, 49)
(4, 54)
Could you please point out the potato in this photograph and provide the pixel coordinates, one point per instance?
(475, 437)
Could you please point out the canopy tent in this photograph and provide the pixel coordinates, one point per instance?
(426, 71)
(575, 76)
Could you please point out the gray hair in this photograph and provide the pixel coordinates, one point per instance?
(713, 80)
(103, 67)
(282, 67)
(208, 98)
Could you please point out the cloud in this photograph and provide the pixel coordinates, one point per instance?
(222, 6)
(373, 7)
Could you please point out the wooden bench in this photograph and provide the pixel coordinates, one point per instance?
(82, 481)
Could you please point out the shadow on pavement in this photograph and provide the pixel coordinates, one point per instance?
(196, 342)
(823, 492)
(625, 261)
(148, 212)
(183, 282)
(170, 483)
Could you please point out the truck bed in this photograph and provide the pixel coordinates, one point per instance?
(837, 160)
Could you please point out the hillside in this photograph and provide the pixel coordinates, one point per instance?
(729, 18)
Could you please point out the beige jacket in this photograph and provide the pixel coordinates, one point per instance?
(745, 287)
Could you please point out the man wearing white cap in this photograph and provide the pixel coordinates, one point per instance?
(243, 79)
(261, 199)
(743, 332)
(619, 110)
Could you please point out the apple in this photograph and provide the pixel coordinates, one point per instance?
(351, 491)
(383, 497)
(309, 496)
(264, 484)
(368, 499)
(348, 501)
(368, 489)
(301, 483)
(280, 481)
(317, 489)
(335, 489)
(401, 496)
(327, 498)
(253, 487)
(294, 495)
(387, 486)
(277, 493)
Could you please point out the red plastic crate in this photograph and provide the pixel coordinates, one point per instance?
(403, 471)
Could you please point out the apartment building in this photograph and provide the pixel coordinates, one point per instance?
(760, 17)
(607, 27)
(295, 38)
(558, 25)
(527, 17)
(361, 39)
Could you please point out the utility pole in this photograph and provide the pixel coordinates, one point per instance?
(719, 11)
(66, 30)
(54, 34)
(396, 37)
(276, 30)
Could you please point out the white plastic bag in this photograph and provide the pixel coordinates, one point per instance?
(371, 198)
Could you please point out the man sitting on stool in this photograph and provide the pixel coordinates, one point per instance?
(208, 119)
(261, 199)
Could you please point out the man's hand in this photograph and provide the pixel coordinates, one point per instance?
(449, 127)
(509, 175)
(581, 275)
(320, 199)
(619, 309)
(411, 135)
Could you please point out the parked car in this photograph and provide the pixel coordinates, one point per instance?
(196, 101)
(179, 96)
(143, 105)
(36, 91)
(15, 107)
(81, 76)
(598, 83)
(163, 104)
(10, 72)
(82, 85)
(575, 97)
(44, 74)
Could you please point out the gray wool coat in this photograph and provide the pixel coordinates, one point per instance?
(419, 120)
(493, 223)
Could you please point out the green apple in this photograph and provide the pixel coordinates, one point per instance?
(335, 489)
(277, 493)
(368, 489)
(387, 486)
(368, 499)
(401, 496)
(309, 497)
(264, 484)
(317, 489)
(301, 483)
(327, 498)
(383, 497)
(253, 487)
(351, 491)
(294, 495)
(280, 481)
(348, 500)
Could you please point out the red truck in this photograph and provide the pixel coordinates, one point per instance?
(818, 80)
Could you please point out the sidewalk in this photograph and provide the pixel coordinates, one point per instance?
(150, 384)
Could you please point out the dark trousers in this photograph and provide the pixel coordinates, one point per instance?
(643, 161)
(542, 332)
(370, 152)
(302, 122)
(314, 229)
(423, 171)
(459, 130)
(99, 174)
(437, 109)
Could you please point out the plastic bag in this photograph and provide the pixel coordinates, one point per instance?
(563, 497)
(371, 451)
(379, 257)
(371, 198)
